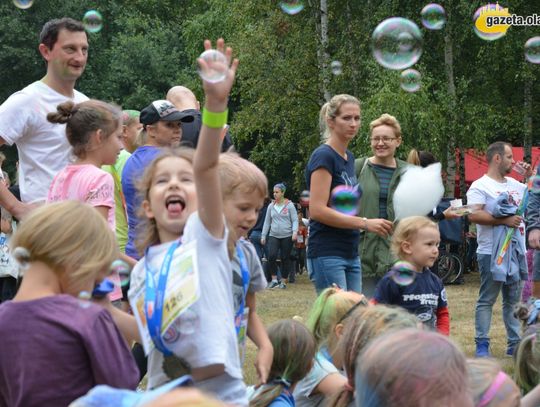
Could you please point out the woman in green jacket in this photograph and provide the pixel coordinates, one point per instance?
(379, 176)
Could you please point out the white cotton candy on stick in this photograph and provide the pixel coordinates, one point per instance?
(419, 191)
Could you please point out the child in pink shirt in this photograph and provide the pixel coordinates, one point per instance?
(94, 130)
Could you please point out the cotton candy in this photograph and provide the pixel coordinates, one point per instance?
(419, 191)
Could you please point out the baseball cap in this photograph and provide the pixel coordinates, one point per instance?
(165, 111)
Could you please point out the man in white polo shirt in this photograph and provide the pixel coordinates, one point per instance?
(485, 192)
(42, 146)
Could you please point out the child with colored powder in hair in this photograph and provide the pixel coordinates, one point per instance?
(325, 321)
(414, 368)
(244, 188)
(93, 129)
(361, 327)
(295, 349)
(186, 317)
(416, 241)
(527, 361)
(490, 386)
(69, 344)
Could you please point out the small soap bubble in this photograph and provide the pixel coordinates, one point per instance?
(93, 21)
(397, 43)
(433, 16)
(410, 80)
(336, 67)
(216, 66)
(535, 184)
(292, 7)
(403, 273)
(345, 199)
(532, 50)
(121, 268)
(188, 323)
(482, 35)
(84, 299)
(23, 4)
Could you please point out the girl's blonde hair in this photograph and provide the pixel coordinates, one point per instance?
(294, 350)
(326, 312)
(411, 368)
(364, 325)
(67, 236)
(85, 118)
(406, 231)
(527, 363)
(388, 120)
(147, 232)
(330, 110)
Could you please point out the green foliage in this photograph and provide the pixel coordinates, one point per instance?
(146, 46)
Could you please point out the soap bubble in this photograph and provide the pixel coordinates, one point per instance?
(532, 50)
(345, 199)
(403, 273)
(410, 80)
(336, 67)
(433, 16)
(23, 4)
(482, 35)
(92, 21)
(84, 299)
(419, 191)
(292, 7)
(121, 268)
(397, 43)
(216, 66)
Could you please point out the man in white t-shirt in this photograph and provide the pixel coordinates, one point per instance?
(485, 191)
(42, 146)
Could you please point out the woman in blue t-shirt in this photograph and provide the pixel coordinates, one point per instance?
(332, 254)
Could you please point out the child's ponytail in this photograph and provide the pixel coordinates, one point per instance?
(294, 350)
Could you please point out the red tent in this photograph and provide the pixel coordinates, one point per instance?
(476, 164)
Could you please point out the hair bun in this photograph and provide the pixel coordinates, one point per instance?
(22, 256)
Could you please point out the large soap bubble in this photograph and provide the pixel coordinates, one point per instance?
(532, 50)
(397, 43)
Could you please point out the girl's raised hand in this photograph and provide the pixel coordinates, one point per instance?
(217, 93)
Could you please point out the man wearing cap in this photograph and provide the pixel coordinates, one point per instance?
(162, 127)
(42, 146)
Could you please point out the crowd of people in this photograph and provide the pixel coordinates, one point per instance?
(198, 238)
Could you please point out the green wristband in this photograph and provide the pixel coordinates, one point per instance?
(214, 120)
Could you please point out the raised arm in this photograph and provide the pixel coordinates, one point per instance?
(205, 163)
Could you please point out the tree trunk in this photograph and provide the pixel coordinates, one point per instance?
(450, 138)
(527, 118)
(322, 51)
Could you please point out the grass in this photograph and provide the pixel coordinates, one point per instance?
(297, 299)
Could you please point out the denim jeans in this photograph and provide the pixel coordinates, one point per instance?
(489, 291)
(255, 239)
(327, 270)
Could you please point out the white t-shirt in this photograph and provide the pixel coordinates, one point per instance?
(42, 146)
(485, 191)
(211, 337)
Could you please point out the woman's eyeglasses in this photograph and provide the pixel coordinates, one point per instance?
(385, 139)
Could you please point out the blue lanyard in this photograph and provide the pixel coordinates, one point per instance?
(155, 297)
(245, 282)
